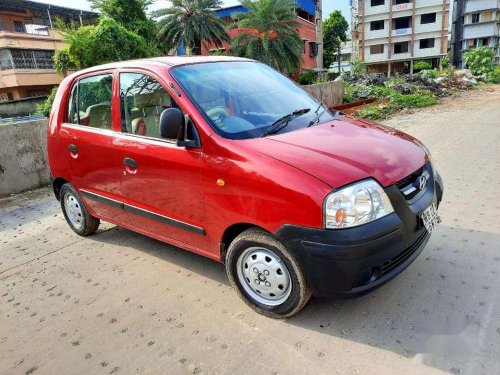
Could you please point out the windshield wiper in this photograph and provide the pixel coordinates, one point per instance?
(282, 122)
(317, 117)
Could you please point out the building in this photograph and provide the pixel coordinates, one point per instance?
(28, 39)
(309, 15)
(476, 23)
(389, 35)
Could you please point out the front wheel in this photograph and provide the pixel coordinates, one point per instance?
(266, 275)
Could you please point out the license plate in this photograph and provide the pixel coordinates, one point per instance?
(430, 217)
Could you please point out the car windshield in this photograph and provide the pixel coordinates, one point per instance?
(244, 100)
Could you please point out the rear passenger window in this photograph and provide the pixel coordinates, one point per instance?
(90, 102)
(142, 100)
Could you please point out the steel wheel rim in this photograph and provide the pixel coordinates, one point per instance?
(73, 210)
(264, 276)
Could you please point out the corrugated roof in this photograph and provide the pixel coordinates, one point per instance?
(21, 5)
(306, 5)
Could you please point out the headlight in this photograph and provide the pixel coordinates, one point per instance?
(357, 204)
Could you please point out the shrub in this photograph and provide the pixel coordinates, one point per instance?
(413, 100)
(45, 107)
(422, 65)
(445, 64)
(494, 75)
(480, 60)
(358, 67)
(63, 62)
(376, 112)
(426, 73)
(308, 77)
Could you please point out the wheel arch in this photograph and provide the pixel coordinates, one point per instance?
(57, 185)
(231, 233)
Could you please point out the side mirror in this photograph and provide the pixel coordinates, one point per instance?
(173, 126)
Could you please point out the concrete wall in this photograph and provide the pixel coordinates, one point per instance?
(22, 107)
(23, 157)
(330, 93)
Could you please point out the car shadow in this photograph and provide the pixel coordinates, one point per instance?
(449, 291)
(182, 258)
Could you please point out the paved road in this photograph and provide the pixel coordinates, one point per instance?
(119, 302)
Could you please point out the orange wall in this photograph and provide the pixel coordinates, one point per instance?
(307, 31)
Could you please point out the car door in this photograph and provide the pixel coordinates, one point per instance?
(88, 134)
(161, 182)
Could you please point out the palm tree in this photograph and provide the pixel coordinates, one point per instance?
(191, 22)
(269, 34)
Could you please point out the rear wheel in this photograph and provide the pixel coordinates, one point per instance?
(266, 275)
(75, 213)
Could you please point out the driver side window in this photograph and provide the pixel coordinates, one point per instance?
(142, 100)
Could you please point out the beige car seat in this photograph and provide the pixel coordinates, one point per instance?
(147, 112)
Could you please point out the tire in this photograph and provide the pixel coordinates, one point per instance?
(75, 213)
(257, 257)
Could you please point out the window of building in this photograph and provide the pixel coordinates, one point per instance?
(427, 43)
(402, 23)
(18, 27)
(313, 49)
(401, 47)
(428, 18)
(142, 100)
(397, 2)
(32, 59)
(90, 102)
(377, 25)
(376, 3)
(475, 17)
(376, 49)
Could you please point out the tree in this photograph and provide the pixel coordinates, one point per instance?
(192, 23)
(131, 14)
(334, 34)
(269, 34)
(102, 43)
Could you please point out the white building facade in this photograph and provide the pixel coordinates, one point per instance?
(476, 24)
(392, 34)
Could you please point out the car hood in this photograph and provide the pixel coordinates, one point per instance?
(346, 150)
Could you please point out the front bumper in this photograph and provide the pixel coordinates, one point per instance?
(350, 262)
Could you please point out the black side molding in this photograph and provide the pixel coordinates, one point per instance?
(144, 213)
(164, 219)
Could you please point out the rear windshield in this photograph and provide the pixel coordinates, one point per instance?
(243, 100)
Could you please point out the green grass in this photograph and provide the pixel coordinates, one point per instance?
(394, 100)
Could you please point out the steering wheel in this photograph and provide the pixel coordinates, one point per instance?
(218, 114)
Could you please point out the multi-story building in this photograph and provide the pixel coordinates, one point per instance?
(476, 23)
(389, 35)
(310, 30)
(28, 39)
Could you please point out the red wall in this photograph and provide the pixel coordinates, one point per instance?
(307, 31)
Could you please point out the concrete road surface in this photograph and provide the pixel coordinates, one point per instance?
(118, 302)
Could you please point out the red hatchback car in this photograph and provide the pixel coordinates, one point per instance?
(229, 159)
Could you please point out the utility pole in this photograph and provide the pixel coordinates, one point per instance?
(319, 34)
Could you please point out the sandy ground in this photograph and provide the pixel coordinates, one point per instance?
(118, 302)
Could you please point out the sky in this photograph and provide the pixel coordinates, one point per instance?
(328, 5)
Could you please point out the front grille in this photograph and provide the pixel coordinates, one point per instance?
(409, 179)
(407, 184)
(397, 260)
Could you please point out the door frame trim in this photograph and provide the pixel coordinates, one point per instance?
(143, 212)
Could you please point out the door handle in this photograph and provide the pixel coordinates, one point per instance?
(73, 148)
(130, 163)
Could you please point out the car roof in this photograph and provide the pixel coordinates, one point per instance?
(164, 60)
